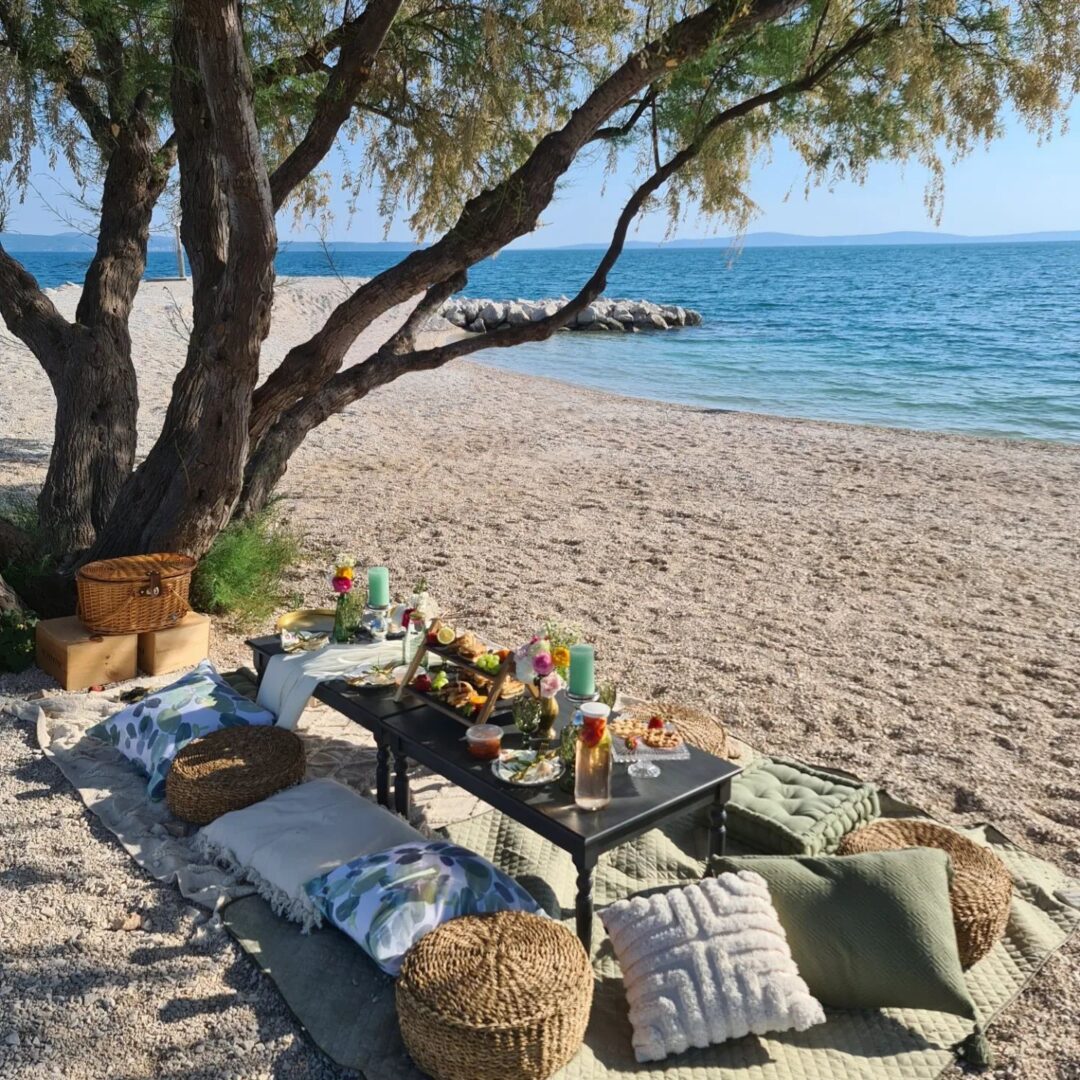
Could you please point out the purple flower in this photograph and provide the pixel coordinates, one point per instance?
(341, 584)
(543, 664)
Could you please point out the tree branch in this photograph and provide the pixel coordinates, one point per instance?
(31, 316)
(512, 208)
(616, 131)
(360, 43)
(544, 328)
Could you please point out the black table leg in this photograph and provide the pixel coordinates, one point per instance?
(401, 783)
(584, 906)
(260, 660)
(382, 773)
(718, 823)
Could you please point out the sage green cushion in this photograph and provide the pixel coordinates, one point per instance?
(868, 931)
(787, 808)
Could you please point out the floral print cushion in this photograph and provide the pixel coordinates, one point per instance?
(151, 732)
(387, 901)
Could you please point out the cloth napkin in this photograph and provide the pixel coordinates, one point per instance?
(290, 678)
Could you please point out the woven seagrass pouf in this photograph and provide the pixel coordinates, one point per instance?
(230, 769)
(495, 997)
(981, 890)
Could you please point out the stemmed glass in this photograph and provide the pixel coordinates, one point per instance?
(646, 769)
(526, 713)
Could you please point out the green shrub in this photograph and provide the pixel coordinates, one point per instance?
(241, 575)
(26, 570)
(16, 640)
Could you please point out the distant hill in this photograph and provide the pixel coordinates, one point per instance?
(74, 242)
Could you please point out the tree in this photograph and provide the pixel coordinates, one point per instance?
(696, 92)
(91, 82)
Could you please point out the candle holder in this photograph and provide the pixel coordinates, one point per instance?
(580, 698)
(375, 621)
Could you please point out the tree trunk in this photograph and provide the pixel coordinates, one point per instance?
(93, 439)
(88, 362)
(183, 494)
(8, 600)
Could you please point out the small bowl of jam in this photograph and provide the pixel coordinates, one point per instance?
(484, 741)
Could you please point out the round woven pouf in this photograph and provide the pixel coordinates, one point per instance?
(230, 769)
(981, 890)
(495, 997)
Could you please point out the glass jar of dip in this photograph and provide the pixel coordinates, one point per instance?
(484, 741)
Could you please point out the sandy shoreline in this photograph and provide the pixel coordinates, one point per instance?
(900, 604)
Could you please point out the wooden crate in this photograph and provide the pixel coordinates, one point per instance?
(186, 643)
(76, 659)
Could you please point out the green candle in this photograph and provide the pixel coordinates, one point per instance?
(378, 586)
(582, 671)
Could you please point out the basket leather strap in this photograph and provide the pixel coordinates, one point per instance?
(152, 586)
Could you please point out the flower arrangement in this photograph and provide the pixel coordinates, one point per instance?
(349, 601)
(536, 664)
(543, 664)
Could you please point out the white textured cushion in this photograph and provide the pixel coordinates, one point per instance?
(706, 963)
(284, 841)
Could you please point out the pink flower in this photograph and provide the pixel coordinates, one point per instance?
(341, 584)
(551, 684)
(543, 664)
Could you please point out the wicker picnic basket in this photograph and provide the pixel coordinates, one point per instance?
(494, 997)
(135, 594)
(981, 890)
(230, 769)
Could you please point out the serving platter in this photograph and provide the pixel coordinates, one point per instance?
(508, 765)
(372, 677)
(312, 620)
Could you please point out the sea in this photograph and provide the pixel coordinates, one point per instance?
(982, 339)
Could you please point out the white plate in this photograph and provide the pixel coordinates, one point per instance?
(502, 770)
(375, 677)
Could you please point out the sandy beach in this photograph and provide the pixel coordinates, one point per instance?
(902, 605)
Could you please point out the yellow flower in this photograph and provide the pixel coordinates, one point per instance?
(345, 572)
(561, 656)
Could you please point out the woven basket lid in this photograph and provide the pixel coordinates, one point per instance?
(137, 567)
(239, 754)
(503, 970)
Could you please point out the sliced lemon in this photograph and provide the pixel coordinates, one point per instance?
(446, 635)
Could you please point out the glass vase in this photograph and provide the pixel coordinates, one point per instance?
(549, 714)
(592, 766)
(342, 631)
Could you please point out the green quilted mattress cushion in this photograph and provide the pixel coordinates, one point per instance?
(869, 931)
(787, 808)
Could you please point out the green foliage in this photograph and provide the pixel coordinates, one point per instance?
(242, 573)
(16, 640)
(25, 570)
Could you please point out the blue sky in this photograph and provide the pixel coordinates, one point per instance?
(1015, 185)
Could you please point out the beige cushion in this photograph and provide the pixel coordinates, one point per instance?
(298, 834)
(706, 963)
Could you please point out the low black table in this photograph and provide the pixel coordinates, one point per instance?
(411, 729)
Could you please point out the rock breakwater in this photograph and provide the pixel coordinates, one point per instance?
(619, 316)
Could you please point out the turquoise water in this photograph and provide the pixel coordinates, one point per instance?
(976, 338)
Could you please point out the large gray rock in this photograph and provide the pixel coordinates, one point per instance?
(477, 326)
(492, 312)
(516, 315)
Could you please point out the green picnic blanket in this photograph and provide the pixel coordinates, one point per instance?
(347, 1005)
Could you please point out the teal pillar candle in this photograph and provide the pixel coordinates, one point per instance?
(378, 586)
(582, 671)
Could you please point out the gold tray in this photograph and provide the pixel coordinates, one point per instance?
(319, 620)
